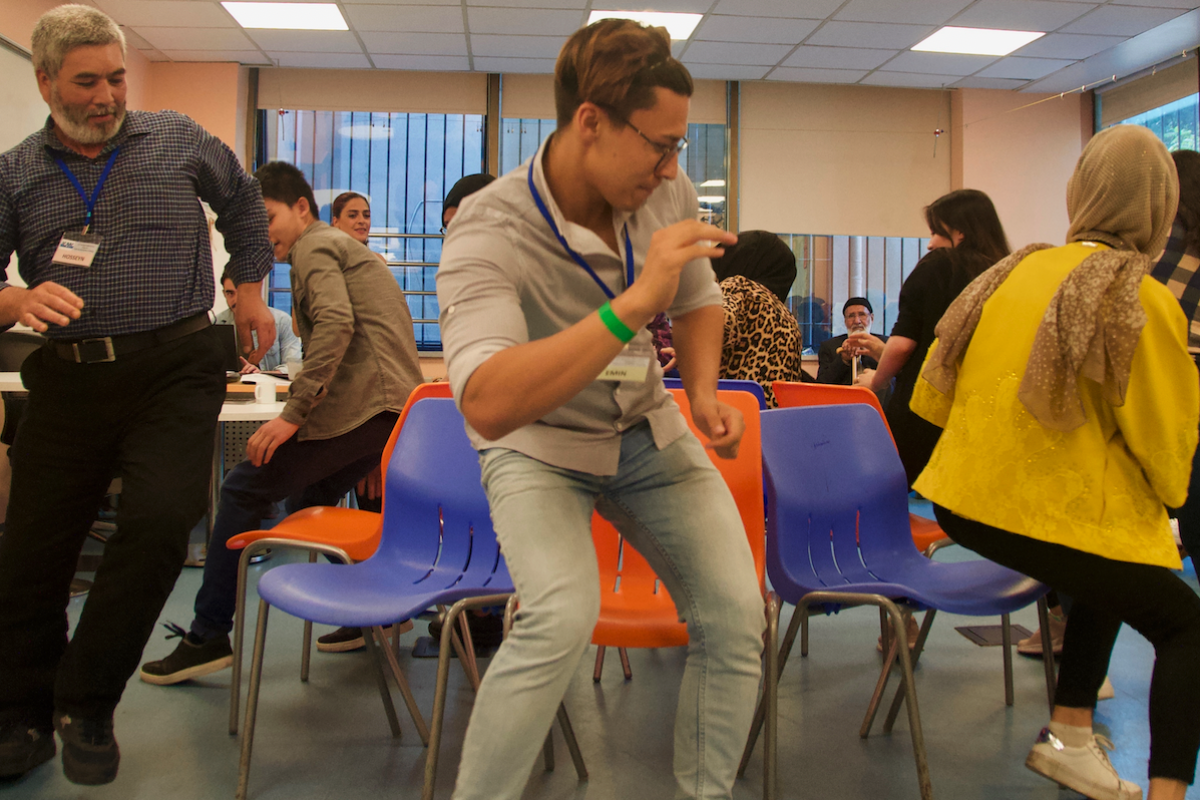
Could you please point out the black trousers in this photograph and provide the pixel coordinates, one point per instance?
(1189, 515)
(149, 417)
(1105, 593)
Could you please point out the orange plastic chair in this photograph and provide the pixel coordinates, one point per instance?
(635, 608)
(925, 531)
(347, 534)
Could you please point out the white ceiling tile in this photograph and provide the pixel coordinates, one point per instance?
(911, 80)
(240, 56)
(720, 28)
(808, 75)
(938, 63)
(437, 63)
(870, 34)
(684, 6)
(927, 12)
(416, 44)
(727, 53)
(157, 12)
(536, 66)
(418, 19)
(1186, 5)
(322, 60)
(306, 41)
(576, 4)
(456, 3)
(516, 46)
(990, 83)
(801, 9)
(132, 39)
(154, 55)
(837, 57)
(195, 38)
(1068, 45)
(726, 72)
(524, 21)
(1122, 20)
(1024, 68)
(1021, 15)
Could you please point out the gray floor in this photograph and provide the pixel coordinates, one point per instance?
(329, 738)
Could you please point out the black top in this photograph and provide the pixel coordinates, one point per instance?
(832, 369)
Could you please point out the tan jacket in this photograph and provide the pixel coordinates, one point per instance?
(360, 357)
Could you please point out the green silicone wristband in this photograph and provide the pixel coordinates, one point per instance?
(613, 323)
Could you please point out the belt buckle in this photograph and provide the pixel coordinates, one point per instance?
(94, 351)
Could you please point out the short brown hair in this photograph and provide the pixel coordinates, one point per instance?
(616, 64)
(339, 203)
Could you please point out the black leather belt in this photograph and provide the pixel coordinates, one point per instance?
(108, 348)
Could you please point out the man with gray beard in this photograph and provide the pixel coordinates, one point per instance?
(102, 209)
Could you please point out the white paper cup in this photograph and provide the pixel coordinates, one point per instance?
(264, 393)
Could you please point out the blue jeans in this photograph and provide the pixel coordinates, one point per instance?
(674, 507)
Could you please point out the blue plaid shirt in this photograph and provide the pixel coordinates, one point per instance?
(154, 265)
(1180, 271)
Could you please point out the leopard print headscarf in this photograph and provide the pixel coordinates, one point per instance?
(1123, 193)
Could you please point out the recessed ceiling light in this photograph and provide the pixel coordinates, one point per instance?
(976, 41)
(288, 16)
(680, 26)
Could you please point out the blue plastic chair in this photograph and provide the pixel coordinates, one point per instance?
(437, 548)
(838, 535)
(753, 387)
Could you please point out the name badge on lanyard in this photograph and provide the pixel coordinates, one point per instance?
(632, 364)
(79, 248)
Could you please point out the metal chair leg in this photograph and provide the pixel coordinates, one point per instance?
(760, 713)
(260, 640)
(910, 692)
(885, 674)
(771, 701)
(548, 750)
(599, 668)
(306, 641)
(624, 654)
(389, 654)
(457, 644)
(917, 650)
(469, 647)
(376, 657)
(804, 635)
(1006, 633)
(1043, 610)
(564, 722)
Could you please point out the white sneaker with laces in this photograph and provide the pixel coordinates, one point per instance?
(1087, 770)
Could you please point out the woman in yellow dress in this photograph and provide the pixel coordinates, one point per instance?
(1069, 401)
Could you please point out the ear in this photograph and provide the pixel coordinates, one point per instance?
(588, 120)
(43, 81)
(302, 207)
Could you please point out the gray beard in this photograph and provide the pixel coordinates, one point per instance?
(75, 123)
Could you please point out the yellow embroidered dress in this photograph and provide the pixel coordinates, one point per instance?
(1099, 488)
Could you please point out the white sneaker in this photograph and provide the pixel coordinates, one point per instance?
(1107, 692)
(1087, 770)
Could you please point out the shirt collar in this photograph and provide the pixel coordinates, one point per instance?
(135, 124)
(316, 225)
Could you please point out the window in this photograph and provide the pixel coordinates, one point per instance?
(832, 269)
(1177, 124)
(403, 163)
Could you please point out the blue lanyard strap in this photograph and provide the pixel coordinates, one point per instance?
(578, 259)
(90, 204)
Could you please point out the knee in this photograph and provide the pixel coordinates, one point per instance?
(736, 616)
(561, 620)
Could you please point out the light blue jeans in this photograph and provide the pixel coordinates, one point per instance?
(674, 507)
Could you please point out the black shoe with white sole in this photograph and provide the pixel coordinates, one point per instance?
(193, 658)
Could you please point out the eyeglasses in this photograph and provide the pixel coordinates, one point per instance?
(665, 151)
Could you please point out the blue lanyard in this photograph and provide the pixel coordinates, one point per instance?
(89, 203)
(537, 198)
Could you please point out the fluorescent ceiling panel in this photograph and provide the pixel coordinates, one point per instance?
(680, 26)
(976, 41)
(288, 16)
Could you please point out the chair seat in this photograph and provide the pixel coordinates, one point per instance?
(375, 592)
(632, 622)
(353, 530)
(925, 531)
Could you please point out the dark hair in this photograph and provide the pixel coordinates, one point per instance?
(616, 64)
(762, 257)
(971, 213)
(857, 301)
(1187, 164)
(339, 203)
(225, 276)
(285, 184)
(466, 186)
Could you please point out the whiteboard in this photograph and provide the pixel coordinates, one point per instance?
(24, 112)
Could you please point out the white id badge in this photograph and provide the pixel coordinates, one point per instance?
(76, 249)
(632, 364)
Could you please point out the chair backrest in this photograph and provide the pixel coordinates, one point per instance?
(436, 514)
(440, 389)
(728, 384)
(838, 501)
(792, 395)
(624, 571)
(15, 347)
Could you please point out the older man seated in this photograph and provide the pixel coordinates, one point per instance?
(836, 357)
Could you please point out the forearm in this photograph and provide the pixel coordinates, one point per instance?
(895, 355)
(10, 305)
(698, 336)
(522, 384)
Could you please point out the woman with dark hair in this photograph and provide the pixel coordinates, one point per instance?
(966, 238)
(1068, 367)
(1179, 269)
(351, 212)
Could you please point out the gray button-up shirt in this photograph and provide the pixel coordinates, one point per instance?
(505, 280)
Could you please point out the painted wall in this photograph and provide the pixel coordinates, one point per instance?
(1020, 149)
(208, 93)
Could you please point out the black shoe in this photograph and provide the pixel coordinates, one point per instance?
(23, 747)
(90, 753)
(192, 658)
(344, 640)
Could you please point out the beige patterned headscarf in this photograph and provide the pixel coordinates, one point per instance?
(1124, 193)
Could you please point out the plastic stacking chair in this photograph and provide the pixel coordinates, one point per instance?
(838, 536)
(753, 387)
(346, 534)
(437, 547)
